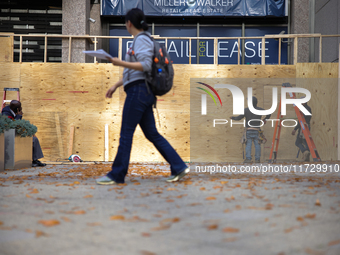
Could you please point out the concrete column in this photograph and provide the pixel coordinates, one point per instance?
(95, 28)
(300, 25)
(76, 14)
(327, 22)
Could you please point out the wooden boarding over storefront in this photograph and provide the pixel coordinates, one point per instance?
(69, 98)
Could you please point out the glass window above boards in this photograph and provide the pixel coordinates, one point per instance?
(202, 50)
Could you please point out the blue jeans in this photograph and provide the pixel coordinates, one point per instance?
(253, 136)
(138, 110)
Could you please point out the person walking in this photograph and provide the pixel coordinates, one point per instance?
(138, 104)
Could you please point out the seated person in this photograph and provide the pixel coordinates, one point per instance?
(14, 112)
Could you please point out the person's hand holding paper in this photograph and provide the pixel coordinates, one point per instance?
(101, 54)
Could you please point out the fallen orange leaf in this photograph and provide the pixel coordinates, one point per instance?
(162, 227)
(79, 212)
(212, 227)
(310, 216)
(289, 230)
(117, 217)
(65, 219)
(194, 204)
(143, 252)
(49, 223)
(313, 252)
(169, 189)
(317, 202)
(88, 196)
(217, 187)
(93, 224)
(34, 191)
(334, 242)
(176, 219)
(210, 198)
(230, 239)
(170, 220)
(269, 206)
(39, 233)
(231, 230)
(299, 219)
(229, 199)
(146, 234)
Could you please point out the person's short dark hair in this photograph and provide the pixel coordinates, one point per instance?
(137, 18)
(15, 105)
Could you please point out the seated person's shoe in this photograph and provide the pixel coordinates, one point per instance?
(105, 181)
(257, 161)
(36, 163)
(175, 178)
(247, 161)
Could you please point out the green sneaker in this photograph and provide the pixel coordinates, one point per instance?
(247, 161)
(175, 178)
(257, 161)
(105, 181)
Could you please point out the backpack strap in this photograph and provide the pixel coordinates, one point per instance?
(132, 49)
(135, 39)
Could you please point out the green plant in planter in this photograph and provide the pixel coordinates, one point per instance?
(22, 127)
(5, 123)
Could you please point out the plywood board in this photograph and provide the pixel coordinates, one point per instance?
(10, 76)
(321, 80)
(76, 92)
(6, 49)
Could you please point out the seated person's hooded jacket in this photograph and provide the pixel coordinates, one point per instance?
(8, 112)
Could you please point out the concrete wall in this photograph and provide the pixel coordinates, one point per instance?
(75, 22)
(300, 25)
(327, 22)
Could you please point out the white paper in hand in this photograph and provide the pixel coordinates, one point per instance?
(101, 54)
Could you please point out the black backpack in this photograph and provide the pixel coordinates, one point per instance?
(161, 78)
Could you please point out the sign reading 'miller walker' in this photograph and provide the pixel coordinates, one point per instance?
(196, 7)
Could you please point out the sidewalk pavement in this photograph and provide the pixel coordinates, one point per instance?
(59, 209)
